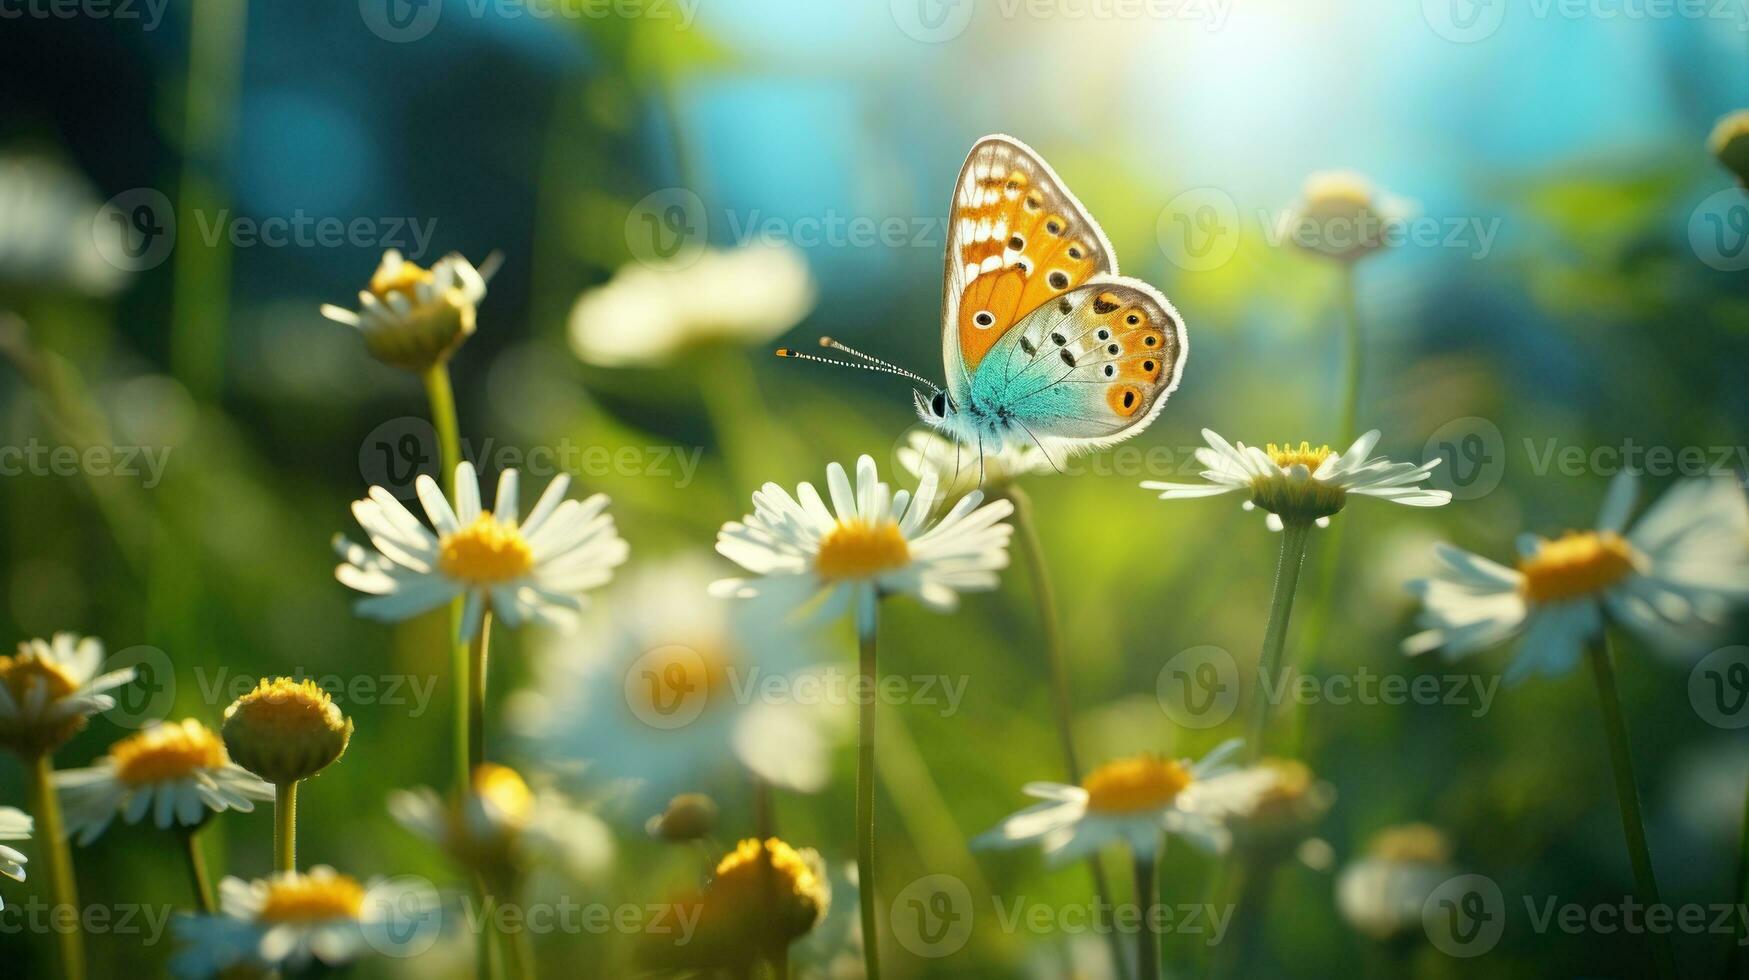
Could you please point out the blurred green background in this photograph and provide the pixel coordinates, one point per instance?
(1606, 304)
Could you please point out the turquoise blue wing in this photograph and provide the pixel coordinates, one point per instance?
(1092, 367)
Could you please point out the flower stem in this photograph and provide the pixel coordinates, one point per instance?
(46, 807)
(1627, 796)
(477, 655)
(1740, 893)
(285, 826)
(1147, 941)
(1353, 356)
(867, 625)
(449, 446)
(1044, 596)
(197, 876)
(1281, 605)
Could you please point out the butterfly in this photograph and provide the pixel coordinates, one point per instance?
(1043, 342)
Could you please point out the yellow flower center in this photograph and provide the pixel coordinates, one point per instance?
(856, 549)
(166, 753)
(26, 670)
(485, 552)
(504, 791)
(404, 280)
(1576, 564)
(1287, 455)
(744, 882)
(312, 898)
(1134, 785)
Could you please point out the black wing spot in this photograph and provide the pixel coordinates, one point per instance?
(1068, 358)
(1017, 243)
(1065, 307)
(1150, 340)
(1148, 366)
(1074, 251)
(1059, 280)
(1027, 346)
(1113, 349)
(1111, 370)
(983, 318)
(1101, 306)
(1129, 399)
(1054, 227)
(1103, 334)
(1059, 339)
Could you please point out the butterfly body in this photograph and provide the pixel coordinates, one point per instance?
(1043, 342)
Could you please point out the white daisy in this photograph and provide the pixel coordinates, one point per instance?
(50, 687)
(1131, 801)
(958, 471)
(872, 542)
(1672, 578)
(15, 824)
(412, 317)
(295, 921)
(533, 569)
(1302, 484)
(684, 687)
(1382, 894)
(180, 773)
(1342, 215)
(505, 827)
(647, 314)
(54, 232)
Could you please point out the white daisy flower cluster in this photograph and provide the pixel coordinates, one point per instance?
(528, 569)
(870, 542)
(504, 827)
(415, 318)
(960, 471)
(294, 921)
(1304, 484)
(1135, 801)
(15, 824)
(50, 687)
(647, 314)
(1672, 577)
(179, 773)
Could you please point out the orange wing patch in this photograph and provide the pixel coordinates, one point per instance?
(1021, 241)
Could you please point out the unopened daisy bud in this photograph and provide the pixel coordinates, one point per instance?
(1342, 216)
(285, 730)
(415, 318)
(763, 897)
(1730, 144)
(689, 816)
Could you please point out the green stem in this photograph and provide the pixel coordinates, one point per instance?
(449, 446)
(46, 808)
(518, 949)
(197, 876)
(1627, 796)
(1740, 893)
(1281, 604)
(867, 626)
(1045, 597)
(285, 827)
(477, 656)
(1353, 356)
(1147, 940)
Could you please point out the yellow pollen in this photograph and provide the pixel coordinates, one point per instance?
(167, 752)
(740, 877)
(504, 790)
(856, 549)
(1576, 564)
(485, 552)
(1133, 785)
(312, 898)
(404, 280)
(25, 670)
(1287, 454)
(283, 707)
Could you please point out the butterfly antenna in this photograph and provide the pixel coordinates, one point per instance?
(890, 367)
(882, 367)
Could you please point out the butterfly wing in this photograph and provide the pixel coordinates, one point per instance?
(1091, 367)
(1017, 239)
